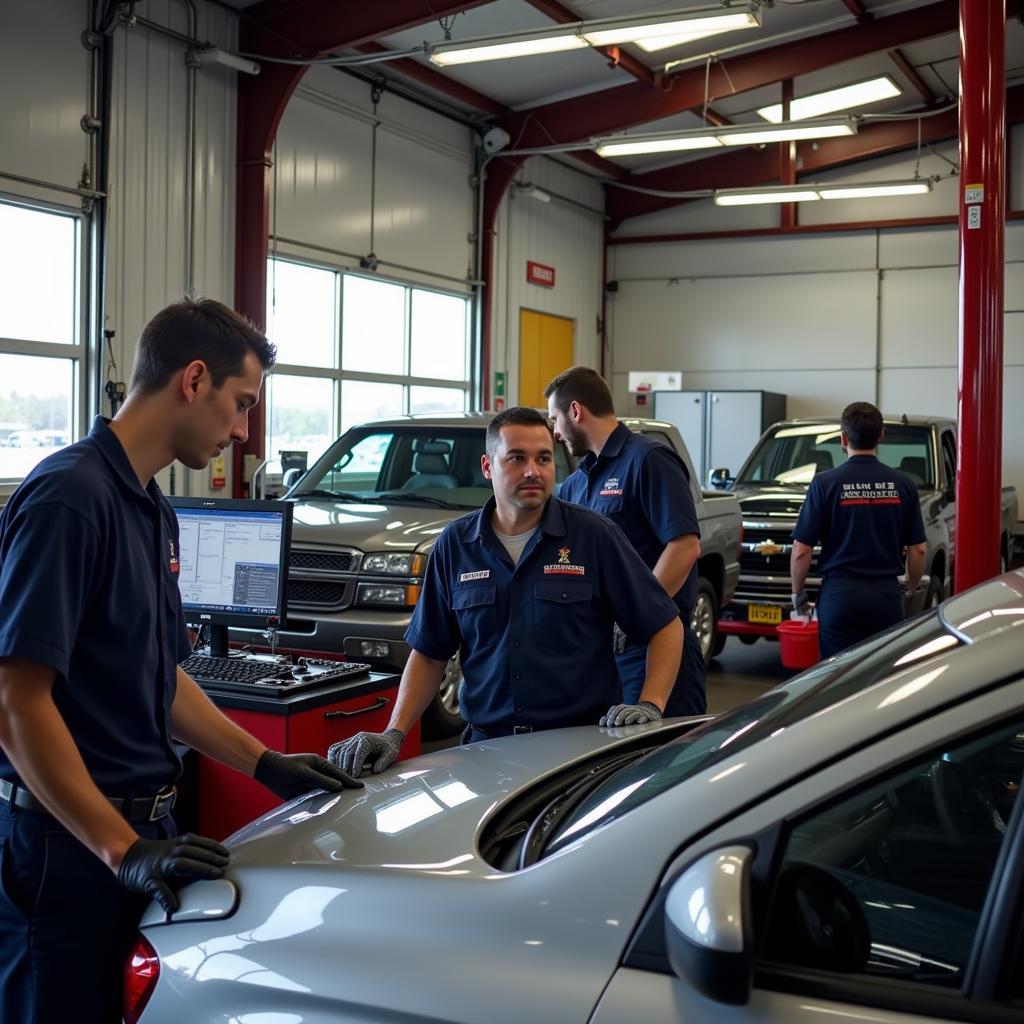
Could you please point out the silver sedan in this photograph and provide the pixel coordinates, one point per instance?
(849, 845)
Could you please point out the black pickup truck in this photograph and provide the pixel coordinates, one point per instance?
(771, 486)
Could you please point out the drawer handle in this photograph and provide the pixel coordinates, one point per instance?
(380, 702)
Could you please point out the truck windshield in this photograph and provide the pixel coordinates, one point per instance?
(795, 452)
(418, 464)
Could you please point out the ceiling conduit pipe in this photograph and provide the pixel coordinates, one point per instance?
(982, 225)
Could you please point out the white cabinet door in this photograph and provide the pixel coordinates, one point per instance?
(685, 409)
(734, 419)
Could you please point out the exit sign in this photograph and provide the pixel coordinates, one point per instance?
(538, 273)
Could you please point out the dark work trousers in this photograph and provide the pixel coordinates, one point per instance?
(65, 923)
(851, 609)
(688, 696)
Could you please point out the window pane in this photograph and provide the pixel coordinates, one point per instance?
(362, 401)
(301, 315)
(300, 417)
(423, 399)
(438, 335)
(373, 326)
(35, 410)
(38, 275)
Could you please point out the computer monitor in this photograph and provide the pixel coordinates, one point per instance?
(233, 563)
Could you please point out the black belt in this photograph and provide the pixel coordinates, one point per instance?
(139, 809)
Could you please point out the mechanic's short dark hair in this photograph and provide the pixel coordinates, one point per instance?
(517, 416)
(862, 425)
(584, 385)
(192, 329)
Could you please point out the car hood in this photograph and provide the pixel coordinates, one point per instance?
(322, 522)
(771, 499)
(423, 813)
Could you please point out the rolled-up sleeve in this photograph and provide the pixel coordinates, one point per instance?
(665, 495)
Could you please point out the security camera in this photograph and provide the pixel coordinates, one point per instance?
(369, 262)
(495, 140)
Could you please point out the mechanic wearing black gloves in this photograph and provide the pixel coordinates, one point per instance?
(91, 696)
(528, 590)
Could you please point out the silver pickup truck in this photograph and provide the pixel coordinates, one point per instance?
(368, 513)
(771, 486)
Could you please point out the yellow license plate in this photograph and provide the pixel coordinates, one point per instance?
(768, 613)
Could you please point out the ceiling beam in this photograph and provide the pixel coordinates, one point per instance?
(625, 106)
(910, 73)
(750, 167)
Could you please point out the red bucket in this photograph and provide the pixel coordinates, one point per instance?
(798, 643)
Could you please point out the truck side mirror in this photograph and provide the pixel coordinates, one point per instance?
(708, 928)
(720, 479)
(291, 477)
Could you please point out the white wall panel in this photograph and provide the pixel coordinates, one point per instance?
(919, 317)
(918, 247)
(44, 91)
(558, 234)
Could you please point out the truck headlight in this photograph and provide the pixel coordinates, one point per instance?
(393, 564)
(390, 595)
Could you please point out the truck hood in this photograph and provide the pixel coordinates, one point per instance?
(324, 523)
(771, 499)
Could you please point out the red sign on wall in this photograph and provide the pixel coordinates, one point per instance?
(538, 273)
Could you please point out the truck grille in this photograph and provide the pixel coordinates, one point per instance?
(766, 551)
(322, 594)
(325, 561)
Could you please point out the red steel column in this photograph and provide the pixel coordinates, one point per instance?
(787, 160)
(982, 220)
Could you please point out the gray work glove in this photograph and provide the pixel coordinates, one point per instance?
(618, 639)
(154, 867)
(630, 714)
(801, 604)
(373, 750)
(292, 775)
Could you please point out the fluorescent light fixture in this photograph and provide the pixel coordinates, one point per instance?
(858, 94)
(651, 31)
(730, 135)
(527, 188)
(213, 55)
(810, 193)
(755, 135)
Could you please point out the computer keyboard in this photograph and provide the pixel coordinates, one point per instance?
(249, 675)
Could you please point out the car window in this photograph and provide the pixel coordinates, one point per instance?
(890, 882)
(829, 683)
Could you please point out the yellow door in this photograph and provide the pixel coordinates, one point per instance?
(545, 350)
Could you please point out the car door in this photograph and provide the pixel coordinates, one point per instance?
(886, 887)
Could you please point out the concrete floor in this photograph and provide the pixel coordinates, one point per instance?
(740, 673)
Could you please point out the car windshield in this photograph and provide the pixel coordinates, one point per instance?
(795, 452)
(831, 682)
(418, 464)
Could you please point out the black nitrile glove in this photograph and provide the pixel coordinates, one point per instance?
(292, 775)
(154, 866)
(630, 714)
(376, 750)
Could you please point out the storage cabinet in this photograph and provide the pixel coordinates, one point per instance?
(720, 428)
(302, 723)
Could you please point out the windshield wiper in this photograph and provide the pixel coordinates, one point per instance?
(542, 827)
(321, 492)
(408, 498)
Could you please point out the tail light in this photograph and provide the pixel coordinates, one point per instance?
(141, 971)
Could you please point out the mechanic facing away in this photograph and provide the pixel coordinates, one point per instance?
(640, 485)
(91, 695)
(864, 513)
(528, 590)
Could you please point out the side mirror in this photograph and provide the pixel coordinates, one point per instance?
(708, 929)
(720, 479)
(291, 477)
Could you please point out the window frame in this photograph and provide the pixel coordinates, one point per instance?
(338, 375)
(78, 351)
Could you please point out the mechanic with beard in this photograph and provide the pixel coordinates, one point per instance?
(528, 590)
(640, 485)
(91, 695)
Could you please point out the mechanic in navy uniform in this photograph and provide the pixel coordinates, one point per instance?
(528, 590)
(642, 486)
(91, 696)
(865, 514)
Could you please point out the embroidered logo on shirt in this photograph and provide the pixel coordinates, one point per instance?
(564, 567)
(884, 493)
(172, 562)
(611, 487)
(563, 556)
(483, 574)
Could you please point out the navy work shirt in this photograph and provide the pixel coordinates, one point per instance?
(640, 484)
(864, 513)
(89, 587)
(535, 638)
